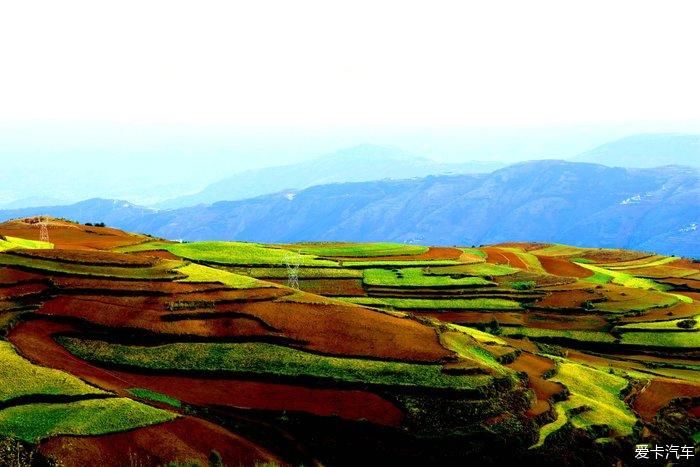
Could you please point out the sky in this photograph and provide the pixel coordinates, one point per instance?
(89, 86)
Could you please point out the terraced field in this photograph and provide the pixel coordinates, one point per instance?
(120, 349)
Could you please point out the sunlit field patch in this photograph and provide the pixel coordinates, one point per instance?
(199, 273)
(360, 249)
(162, 270)
(33, 422)
(8, 243)
(20, 378)
(416, 277)
(419, 303)
(230, 253)
(594, 400)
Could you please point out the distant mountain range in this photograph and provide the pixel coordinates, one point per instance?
(356, 164)
(548, 201)
(40, 187)
(647, 150)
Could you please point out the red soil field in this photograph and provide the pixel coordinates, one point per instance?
(162, 254)
(332, 287)
(573, 298)
(97, 258)
(16, 291)
(179, 302)
(67, 235)
(535, 366)
(614, 256)
(659, 393)
(589, 322)
(115, 285)
(525, 345)
(498, 256)
(433, 253)
(694, 295)
(563, 267)
(681, 310)
(683, 282)
(33, 339)
(185, 439)
(14, 276)
(526, 246)
(352, 331)
(684, 263)
(137, 312)
(458, 317)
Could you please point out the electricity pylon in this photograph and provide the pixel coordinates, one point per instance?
(43, 229)
(292, 261)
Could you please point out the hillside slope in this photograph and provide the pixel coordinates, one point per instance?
(119, 349)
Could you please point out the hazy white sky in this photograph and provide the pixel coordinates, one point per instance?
(329, 63)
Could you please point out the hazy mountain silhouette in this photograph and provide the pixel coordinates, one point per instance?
(550, 201)
(647, 150)
(359, 163)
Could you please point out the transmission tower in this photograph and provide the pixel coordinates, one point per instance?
(43, 229)
(292, 261)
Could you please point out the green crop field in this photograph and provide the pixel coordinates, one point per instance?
(625, 279)
(154, 396)
(533, 264)
(269, 359)
(304, 273)
(599, 278)
(652, 261)
(163, 270)
(637, 300)
(463, 344)
(230, 253)
(479, 336)
(584, 336)
(559, 250)
(20, 378)
(683, 340)
(474, 252)
(359, 250)
(415, 277)
(8, 243)
(595, 396)
(398, 263)
(475, 269)
(33, 422)
(691, 325)
(199, 273)
(420, 303)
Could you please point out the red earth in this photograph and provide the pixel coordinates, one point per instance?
(563, 267)
(536, 366)
(72, 236)
(659, 393)
(187, 440)
(34, 340)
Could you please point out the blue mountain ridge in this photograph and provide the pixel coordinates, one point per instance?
(544, 201)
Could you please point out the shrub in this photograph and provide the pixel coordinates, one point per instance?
(523, 285)
(494, 328)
